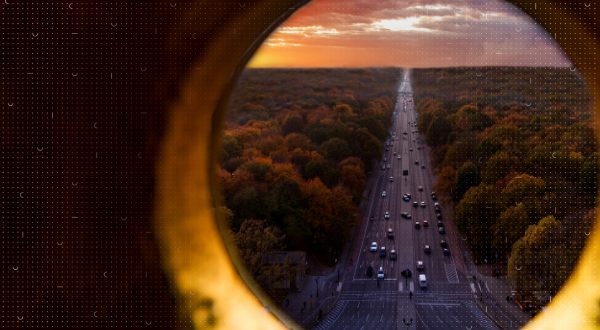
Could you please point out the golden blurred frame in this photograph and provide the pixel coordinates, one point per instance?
(197, 251)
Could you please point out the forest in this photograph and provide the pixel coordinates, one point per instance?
(514, 151)
(297, 149)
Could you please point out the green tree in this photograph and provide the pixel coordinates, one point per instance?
(254, 239)
(510, 226)
(534, 257)
(467, 177)
(438, 131)
(528, 190)
(335, 149)
(475, 214)
(497, 167)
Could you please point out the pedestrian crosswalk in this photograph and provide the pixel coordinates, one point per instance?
(451, 273)
(332, 316)
(481, 318)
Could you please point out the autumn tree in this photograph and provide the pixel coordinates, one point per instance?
(254, 239)
(533, 262)
(474, 215)
(509, 228)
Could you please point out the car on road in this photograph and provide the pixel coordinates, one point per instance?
(380, 274)
(411, 149)
(399, 157)
(395, 153)
(408, 216)
(383, 167)
(441, 230)
(427, 249)
(389, 166)
(382, 252)
(372, 218)
(423, 166)
(417, 225)
(390, 233)
(386, 215)
(446, 252)
(385, 159)
(383, 194)
(422, 281)
(443, 243)
(433, 195)
(423, 204)
(437, 206)
(406, 197)
(420, 188)
(440, 224)
(393, 255)
(391, 178)
(438, 215)
(416, 162)
(373, 247)
(425, 223)
(369, 271)
(420, 265)
(415, 204)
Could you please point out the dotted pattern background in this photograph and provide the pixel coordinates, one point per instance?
(83, 90)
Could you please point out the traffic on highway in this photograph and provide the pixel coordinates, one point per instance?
(407, 270)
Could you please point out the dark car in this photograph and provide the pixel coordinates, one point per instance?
(438, 215)
(433, 195)
(427, 249)
(369, 271)
(440, 224)
(446, 252)
(390, 233)
(382, 252)
(415, 204)
(425, 223)
(443, 244)
(441, 230)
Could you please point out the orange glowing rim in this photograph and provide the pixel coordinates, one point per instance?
(197, 251)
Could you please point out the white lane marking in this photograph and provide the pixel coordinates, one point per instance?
(488, 288)
(412, 286)
(339, 287)
(473, 287)
(400, 287)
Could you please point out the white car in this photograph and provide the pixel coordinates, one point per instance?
(374, 247)
(386, 215)
(380, 274)
(383, 194)
(423, 204)
(391, 179)
(420, 265)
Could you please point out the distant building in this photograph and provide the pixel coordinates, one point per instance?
(287, 269)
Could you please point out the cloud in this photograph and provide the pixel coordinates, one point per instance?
(439, 32)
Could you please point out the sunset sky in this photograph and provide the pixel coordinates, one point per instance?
(408, 33)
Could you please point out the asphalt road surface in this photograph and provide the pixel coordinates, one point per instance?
(397, 302)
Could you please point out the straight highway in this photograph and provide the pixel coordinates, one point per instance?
(371, 300)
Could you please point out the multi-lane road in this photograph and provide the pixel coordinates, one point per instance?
(398, 302)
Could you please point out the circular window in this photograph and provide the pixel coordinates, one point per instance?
(404, 163)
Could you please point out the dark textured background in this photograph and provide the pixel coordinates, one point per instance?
(85, 91)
